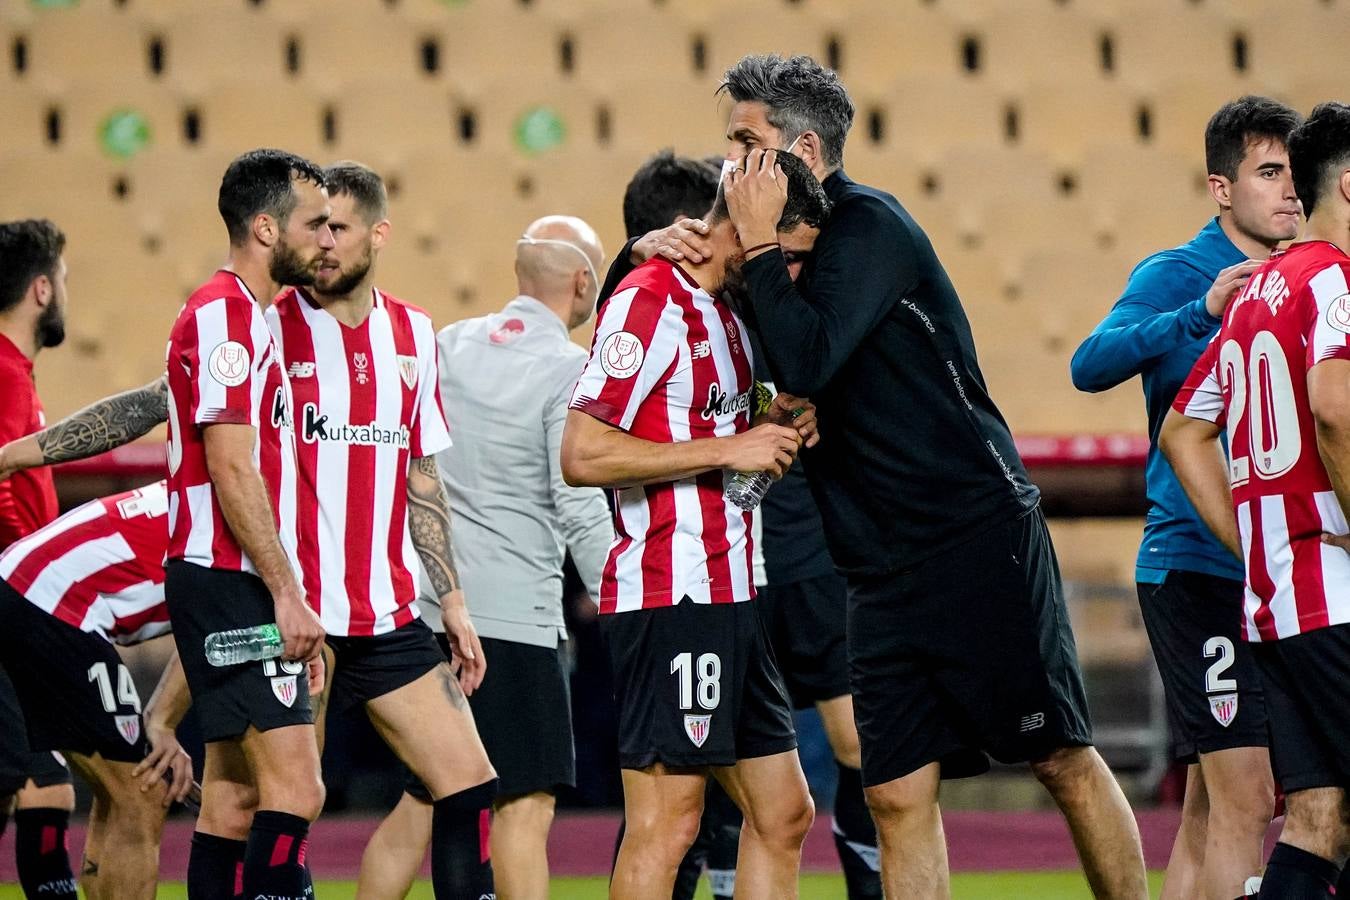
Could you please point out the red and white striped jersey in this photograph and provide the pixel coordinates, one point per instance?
(1253, 380)
(367, 401)
(100, 567)
(669, 363)
(223, 368)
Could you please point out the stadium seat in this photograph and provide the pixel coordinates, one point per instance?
(1195, 46)
(1063, 117)
(878, 46)
(473, 46)
(733, 31)
(83, 43)
(211, 47)
(1016, 44)
(1179, 111)
(604, 40)
(929, 113)
(339, 51)
(375, 110)
(234, 117)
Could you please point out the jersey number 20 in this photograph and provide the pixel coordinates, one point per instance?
(1272, 420)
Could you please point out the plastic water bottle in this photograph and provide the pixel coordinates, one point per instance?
(746, 489)
(240, 645)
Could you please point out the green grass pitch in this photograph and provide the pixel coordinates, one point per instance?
(983, 886)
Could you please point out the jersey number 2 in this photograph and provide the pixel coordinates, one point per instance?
(1272, 420)
(709, 679)
(1221, 647)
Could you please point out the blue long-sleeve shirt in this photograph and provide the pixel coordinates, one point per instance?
(1157, 329)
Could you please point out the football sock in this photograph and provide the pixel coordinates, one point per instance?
(855, 836)
(722, 824)
(274, 860)
(215, 867)
(41, 853)
(461, 862)
(1294, 874)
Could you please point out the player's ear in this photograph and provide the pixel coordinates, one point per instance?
(379, 233)
(1221, 190)
(1344, 184)
(42, 290)
(812, 149)
(265, 229)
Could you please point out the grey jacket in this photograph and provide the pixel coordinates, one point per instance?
(506, 380)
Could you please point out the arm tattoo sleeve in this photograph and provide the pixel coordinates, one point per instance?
(105, 425)
(429, 522)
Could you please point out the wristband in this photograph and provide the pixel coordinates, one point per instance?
(762, 247)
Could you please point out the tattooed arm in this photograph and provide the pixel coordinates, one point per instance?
(97, 428)
(429, 524)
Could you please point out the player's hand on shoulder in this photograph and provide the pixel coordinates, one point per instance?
(686, 239)
(1337, 540)
(465, 646)
(765, 448)
(301, 631)
(1228, 285)
(796, 413)
(167, 762)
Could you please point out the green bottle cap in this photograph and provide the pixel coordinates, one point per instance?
(124, 133)
(539, 128)
(272, 633)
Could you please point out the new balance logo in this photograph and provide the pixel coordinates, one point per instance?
(702, 350)
(1031, 722)
(301, 370)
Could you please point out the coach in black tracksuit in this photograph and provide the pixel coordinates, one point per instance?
(958, 638)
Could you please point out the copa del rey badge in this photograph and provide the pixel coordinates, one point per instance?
(283, 688)
(697, 728)
(1224, 707)
(129, 727)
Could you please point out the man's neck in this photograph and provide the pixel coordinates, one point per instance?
(351, 308)
(1253, 248)
(22, 334)
(255, 274)
(1332, 227)
(708, 274)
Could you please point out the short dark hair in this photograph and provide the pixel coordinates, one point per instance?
(28, 248)
(1240, 123)
(806, 200)
(363, 184)
(260, 182)
(666, 187)
(1316, 148)
(801, 96)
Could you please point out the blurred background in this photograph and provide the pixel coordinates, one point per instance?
(1045, 145)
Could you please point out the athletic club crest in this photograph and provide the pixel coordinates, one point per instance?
(407, 368)
(697, 728)
(1224, 707)
(129, 727)
(283, 688)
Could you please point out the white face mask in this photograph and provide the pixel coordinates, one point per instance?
(590, 267)
(731, 165)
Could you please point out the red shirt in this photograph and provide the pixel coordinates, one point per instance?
(1253, 379)
(28, 499)
(670, 363)
(100, 567)
(367, 401)
(223, 368)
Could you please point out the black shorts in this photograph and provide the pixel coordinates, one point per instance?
(269, 694)
(524, 717)
(75, 693)
(696, 685)
(805, 625)
(1215, 699)
(968, 653)
(368, 667)
(1305, 678)
(18, 762)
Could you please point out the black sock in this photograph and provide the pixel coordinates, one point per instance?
(1294, 874)
(215, 867)
(855, 836)
(722, 824)
(40, 850)
(274, 861)
(461, 863)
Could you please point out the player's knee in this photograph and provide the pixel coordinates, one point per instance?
(306, 798)
(900, 799)
(528, 813)
(1247, 804)
(1066, 767)
(227, 808)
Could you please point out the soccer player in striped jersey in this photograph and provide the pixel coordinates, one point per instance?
(363, 371)
(662, 414)
(70, 592)
(362, 368)
(1276, 379)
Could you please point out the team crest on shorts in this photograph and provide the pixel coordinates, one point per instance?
(1224, 707)
(283, 688)
(129, 727)
(697, 728)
